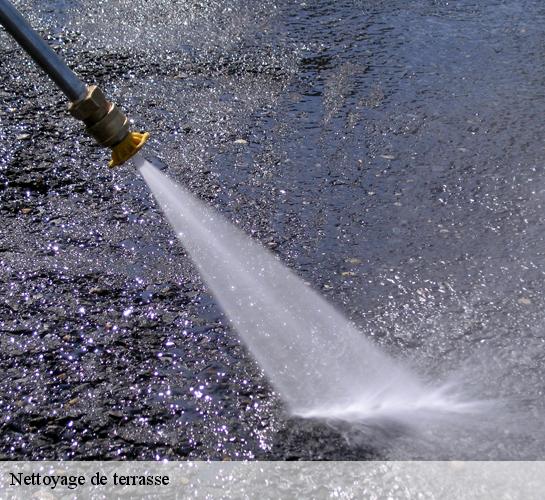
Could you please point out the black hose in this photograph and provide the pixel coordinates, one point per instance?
(42, 54)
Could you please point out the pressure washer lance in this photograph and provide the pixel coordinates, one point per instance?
(103, 119)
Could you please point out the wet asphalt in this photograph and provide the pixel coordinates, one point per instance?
(390, 152)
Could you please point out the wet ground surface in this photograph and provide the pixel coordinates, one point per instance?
(390, 152)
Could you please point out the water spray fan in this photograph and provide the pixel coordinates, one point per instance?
(103, 120)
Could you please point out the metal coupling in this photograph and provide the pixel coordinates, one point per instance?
(103, 120)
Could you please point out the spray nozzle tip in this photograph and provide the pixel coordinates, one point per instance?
(127, 148)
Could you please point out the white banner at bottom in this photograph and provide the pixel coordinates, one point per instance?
(274, 480)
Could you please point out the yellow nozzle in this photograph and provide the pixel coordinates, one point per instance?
(108, 125)
(127, 148)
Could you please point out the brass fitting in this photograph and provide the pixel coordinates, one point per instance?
(108, 125)
(103, 119)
